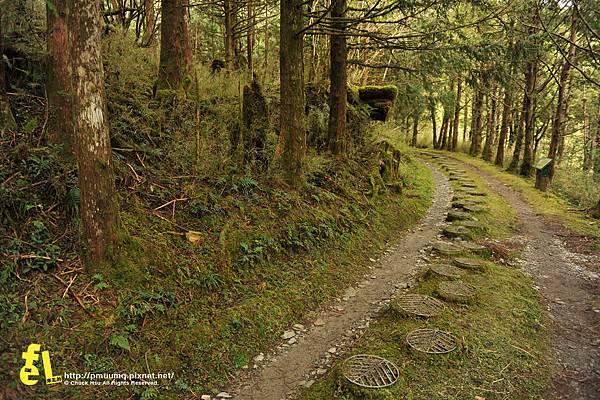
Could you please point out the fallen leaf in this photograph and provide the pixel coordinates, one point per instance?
(193, 236)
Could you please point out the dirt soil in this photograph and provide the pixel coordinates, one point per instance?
(280, 374)
(566, 275)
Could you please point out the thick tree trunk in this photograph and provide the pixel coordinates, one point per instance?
(338, 71)
(477, 124)
(91, 140)
(291, 61)
(454, 142)
(543, 181)
(507, 105)
(175, 49)
(490, 137)
(59, 85)
(531, 69)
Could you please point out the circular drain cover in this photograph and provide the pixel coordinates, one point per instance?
(447, 271)
(418, 304)
(431, 341)
(370, 371)
(456, 291)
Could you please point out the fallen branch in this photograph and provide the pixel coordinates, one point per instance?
(74, 295)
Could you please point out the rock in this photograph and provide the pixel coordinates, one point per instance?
(298, 327)
(288, 335)
(224, 395)
(292, 341)
(205, 397)
(321, 371)
(469, 263)
(372, 259)
(455, 231)
(447, 249)
(308, 384)
(457, 216)
(319, 322)
(332, 350)
(259, 358)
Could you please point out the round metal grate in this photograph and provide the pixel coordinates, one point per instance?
(431, 341)
(370, 371)
(456, 291)
(447, 271)
(418, 304)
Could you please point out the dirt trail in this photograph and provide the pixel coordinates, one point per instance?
(569, 288)
(283, 373)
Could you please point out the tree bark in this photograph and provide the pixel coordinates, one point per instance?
(413, 141)
(542, 182)
(230, 44)
(490, 137)
(150, 24)
(59, 85)
(531, 68)
(175, 49)
(338, 140)
(250, 38)
(477, 124)
(506, 107)
(7, 120)
(454, 142)
(291, 61)
(433, 121)
(91, 140)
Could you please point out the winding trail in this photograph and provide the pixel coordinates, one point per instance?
(569, 289)
(284, 372)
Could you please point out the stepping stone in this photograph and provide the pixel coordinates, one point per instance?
(446, 270)
(471, 225)
(457, 216)
(457, 291)
(468, 185)
(474, 247)
(474, 208)
(469, 263)
(455, 231)
(447, 249)
(476, 193)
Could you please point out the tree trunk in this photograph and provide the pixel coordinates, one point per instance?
(507, 105)
(7, 120)
(175, 49)
(59, 86)
(588, 140)
(490, 137)
(91, 140)
(433, 121)
(531, 68)
(338, 80)
(413, 141)
(250, 38)
(477, 124)
(514, 164)
(150, 24)
(291, 61)
(596, 161)
(230, 44)
(542, 182)
(454, 142)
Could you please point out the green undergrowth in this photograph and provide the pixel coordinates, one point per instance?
(549, 203)
(501, 352)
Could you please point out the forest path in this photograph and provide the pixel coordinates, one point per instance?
(340, 324)
(570, 285)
